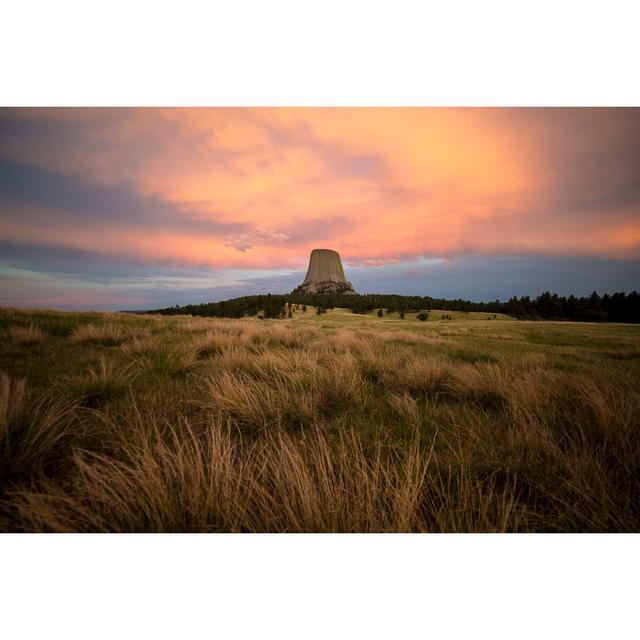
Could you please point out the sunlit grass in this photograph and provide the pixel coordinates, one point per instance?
(134, 423)
(28, 334)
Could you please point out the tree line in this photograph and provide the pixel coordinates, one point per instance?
(617, 307)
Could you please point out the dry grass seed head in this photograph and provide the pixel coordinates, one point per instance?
(486, 384)
(105, 335)
(258, 403)
(29, 334)
(141, 346)
(104, 380)
(212, 343)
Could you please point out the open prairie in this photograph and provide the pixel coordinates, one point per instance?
(332, 422)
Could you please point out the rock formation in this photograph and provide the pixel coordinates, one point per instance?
(325, 274)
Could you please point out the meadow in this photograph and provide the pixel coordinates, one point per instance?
(320, 423)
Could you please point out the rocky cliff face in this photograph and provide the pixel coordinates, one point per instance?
(325, 274)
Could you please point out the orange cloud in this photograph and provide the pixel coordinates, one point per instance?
(378, 185)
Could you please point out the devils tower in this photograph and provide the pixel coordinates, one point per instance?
(325, 274)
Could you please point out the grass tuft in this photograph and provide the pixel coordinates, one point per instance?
(103, 382)
(25, 335)
(35, 432)
(104, 335)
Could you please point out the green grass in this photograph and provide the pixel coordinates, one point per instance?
(337, 422)
(347, 317)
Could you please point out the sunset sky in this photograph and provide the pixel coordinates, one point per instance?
(142, 208)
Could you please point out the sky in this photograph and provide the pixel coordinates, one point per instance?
(144, 208)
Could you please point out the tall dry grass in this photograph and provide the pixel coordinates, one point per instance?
(36, 432)
(187, 479)
(106, 335)
(141, 346)
(101, 382)
(257, 426)
(24, 335)
(279, 388)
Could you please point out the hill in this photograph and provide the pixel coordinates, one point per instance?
(618, 307)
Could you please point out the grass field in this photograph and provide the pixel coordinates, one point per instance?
(346, 316)
(332, 422)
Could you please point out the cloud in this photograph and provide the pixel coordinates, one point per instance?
(256, 237)
(43, 277)
(373, 262)
(256, 189)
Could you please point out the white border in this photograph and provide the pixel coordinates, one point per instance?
(319, 586)
(329, 52)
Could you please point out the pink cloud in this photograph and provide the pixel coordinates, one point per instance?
(378, 185)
